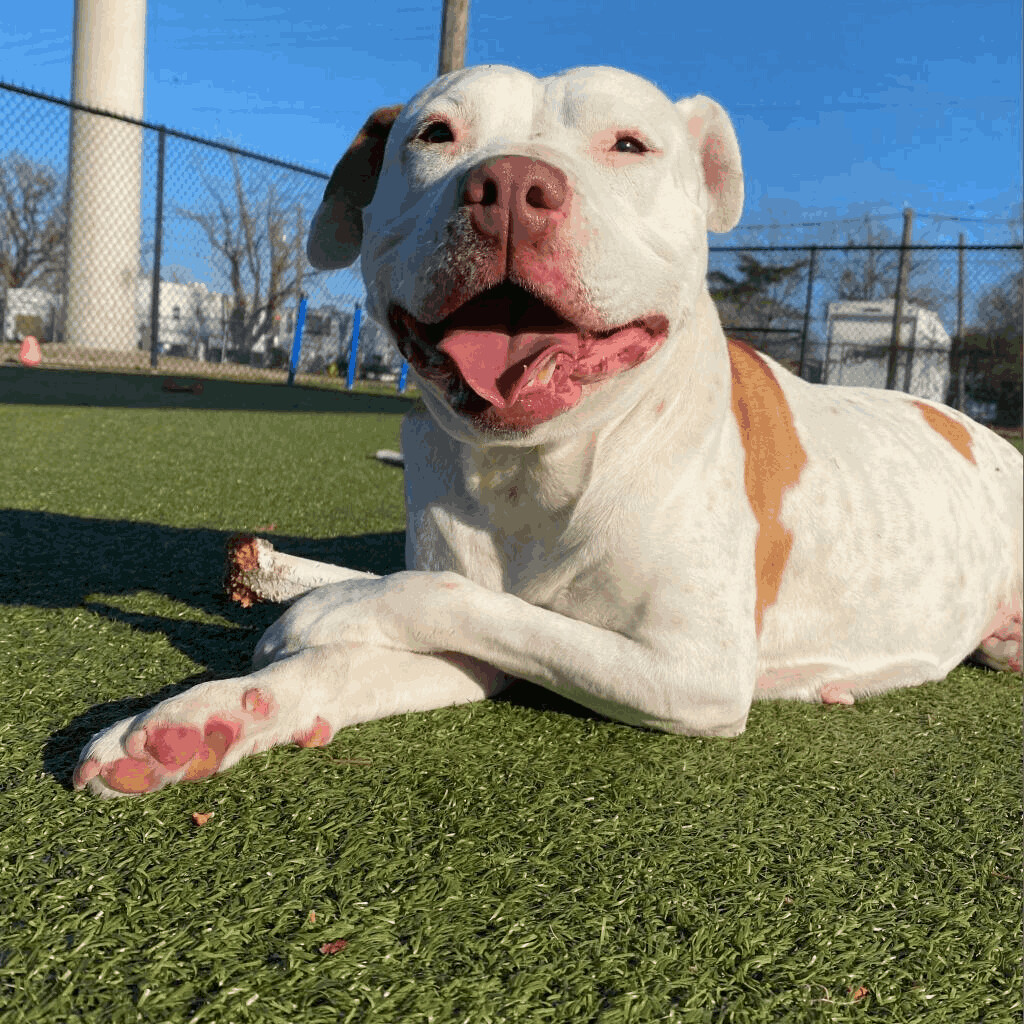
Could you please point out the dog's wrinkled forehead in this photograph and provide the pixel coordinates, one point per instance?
(582, 99)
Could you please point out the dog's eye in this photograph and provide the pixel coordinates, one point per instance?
(436, 131)
(629, 144)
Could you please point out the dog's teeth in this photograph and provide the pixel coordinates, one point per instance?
(547, 371)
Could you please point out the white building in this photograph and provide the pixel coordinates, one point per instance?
(194, 324)
(190, 315)
(191, 318)
(857, 349)
(34, 311)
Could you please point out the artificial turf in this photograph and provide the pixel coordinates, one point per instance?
(515, 860)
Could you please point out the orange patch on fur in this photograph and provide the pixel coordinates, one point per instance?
(773, 461)
(955, 433)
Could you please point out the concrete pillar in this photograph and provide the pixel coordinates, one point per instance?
(105, 176)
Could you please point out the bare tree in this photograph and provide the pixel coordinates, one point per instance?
(254, 239)
(868, 274)
(33, 223)
(1001, 309)
(993, 347)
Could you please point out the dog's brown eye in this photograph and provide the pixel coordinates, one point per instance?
(436, 131)
(629, 144)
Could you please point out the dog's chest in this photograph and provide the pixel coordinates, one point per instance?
(544, 526)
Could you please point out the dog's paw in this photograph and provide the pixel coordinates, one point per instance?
(837, 693)
(407, 611)
(190, 737)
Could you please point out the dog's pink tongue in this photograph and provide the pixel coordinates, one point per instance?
(499, 367)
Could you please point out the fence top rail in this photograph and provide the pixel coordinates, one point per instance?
(237, 150)
(860, 248)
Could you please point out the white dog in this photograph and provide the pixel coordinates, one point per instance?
(605, 496)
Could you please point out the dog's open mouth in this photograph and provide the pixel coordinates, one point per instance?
(508, 354)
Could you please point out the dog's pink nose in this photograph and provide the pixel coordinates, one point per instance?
(515, 195)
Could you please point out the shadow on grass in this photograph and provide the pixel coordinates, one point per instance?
(57, 561)
(60, 561)
(40, 386)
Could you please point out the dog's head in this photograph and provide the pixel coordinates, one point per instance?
(527, 241)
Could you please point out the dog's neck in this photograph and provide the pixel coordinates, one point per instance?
(555, 475)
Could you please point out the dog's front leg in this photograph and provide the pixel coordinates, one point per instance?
(302, 699)
(697, 678)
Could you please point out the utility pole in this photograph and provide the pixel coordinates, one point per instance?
(897, 306)
(105, 176)
(454, 25)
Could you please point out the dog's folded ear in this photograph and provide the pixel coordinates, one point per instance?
(336, 231)
(718, 155)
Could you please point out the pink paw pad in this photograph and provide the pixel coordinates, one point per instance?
(218, 736)
(172, 745)
(257, 703)
(835, 693)
(1001, 647)
(318, 736)
(85, 772)
(128, 775)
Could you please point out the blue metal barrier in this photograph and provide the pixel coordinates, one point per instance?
(353, 352)
(300, 321)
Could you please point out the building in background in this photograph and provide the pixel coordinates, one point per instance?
(857, 347)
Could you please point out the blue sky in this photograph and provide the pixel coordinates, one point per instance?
(841, 110)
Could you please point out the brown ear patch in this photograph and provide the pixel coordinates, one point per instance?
(955, 433)
(773, 461)
(356, 173)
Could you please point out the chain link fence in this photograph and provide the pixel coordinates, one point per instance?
(828, 313)
(125, 245)
(131, 246)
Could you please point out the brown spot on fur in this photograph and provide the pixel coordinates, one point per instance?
(337, 229)
(773, 461)
(356, 173)
(955, 433)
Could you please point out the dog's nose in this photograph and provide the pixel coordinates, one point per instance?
(515, 194)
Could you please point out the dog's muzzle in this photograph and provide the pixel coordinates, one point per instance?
(508, 360)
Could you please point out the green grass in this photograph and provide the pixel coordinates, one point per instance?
(518, 860)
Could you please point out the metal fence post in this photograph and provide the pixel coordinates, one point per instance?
(353, 351)
(158, 238)
(897, 306)
(300, 320)
(956, 352)
(807, 312)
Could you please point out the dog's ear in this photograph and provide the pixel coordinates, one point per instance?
(718, 155)
(336, 231)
